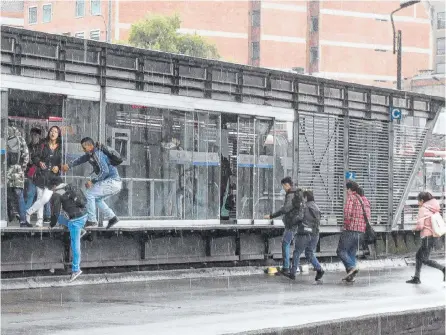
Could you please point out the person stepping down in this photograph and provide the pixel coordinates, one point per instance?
(428, 207)
(106, 183)
(354, 228)
(69, 208)
(308, 218)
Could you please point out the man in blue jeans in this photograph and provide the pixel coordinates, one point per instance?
(288, 219)
(72, 201)
(106, 183)
(354, 228)
(307, 236)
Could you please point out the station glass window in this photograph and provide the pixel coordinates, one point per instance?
(171, 166)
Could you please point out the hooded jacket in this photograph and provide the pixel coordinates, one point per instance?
(312, 219)
(65, 198)
(100, 163)
(425, 212)
(287, 210)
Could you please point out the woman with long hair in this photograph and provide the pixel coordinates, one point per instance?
(428, 207)
(48, 160)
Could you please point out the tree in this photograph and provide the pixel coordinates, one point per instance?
(161, 33)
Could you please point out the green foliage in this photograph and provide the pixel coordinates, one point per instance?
(161, 33)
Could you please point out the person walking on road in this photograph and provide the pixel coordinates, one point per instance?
(106, 183)
(69, 209)
(307, 236)
(354, 227)
(428, 206)
(287, 217)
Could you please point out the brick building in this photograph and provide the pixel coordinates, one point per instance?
(11, 12)
(346, 40)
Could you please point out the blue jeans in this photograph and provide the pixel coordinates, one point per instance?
(15, 196)
(308, 244)
(287, 238)
(31, 191)
(74, 226)
(96, 196)
(347, 248)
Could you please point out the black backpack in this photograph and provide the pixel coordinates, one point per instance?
(297, 212)
(76, 195)
(114, 156)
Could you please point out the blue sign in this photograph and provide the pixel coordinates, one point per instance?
(350, 175)
(395, 114)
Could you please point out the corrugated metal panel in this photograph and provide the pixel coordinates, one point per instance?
(321, 162)
(369, 158)
(407, 143)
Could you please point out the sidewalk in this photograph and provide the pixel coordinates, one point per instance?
(141, 276)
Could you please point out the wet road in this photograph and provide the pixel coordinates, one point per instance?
(213, 306)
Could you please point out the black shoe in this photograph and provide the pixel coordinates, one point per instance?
(319, 275)
(25, 224)
(46, 221)
(114, 220)
(414, 280)
(91, 224)
(285, 272)
(292, 276)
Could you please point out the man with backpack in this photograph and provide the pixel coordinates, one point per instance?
(307, 236)
(106, 183)
(72, 201)
(288, 211)
(17, 161)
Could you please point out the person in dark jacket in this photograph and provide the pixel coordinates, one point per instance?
(307, 236)
(48, 161)
(288, 219)
(34, 146)
(69, 208)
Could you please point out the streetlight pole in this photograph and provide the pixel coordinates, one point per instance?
(397, 41)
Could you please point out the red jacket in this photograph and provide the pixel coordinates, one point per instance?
(353, 214)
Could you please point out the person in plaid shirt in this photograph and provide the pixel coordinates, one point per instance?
(354, 227)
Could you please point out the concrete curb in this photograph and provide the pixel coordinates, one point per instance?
(416, 321)
(105, 278)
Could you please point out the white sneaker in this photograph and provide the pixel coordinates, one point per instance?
(39, 224)
(28, 218)
(74, 275)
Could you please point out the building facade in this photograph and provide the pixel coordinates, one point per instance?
(11, 13)
(346, 40)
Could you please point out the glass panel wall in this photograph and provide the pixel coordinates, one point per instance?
(80, 119)
(172, 162)
(3, 138)
(26, 110)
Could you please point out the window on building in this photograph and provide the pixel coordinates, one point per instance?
(66, 34)
(79, 34)
(440, 46)
(95, 35)
(32, 15)
(440, 68)
(95, 7)
(255, 50)
(314, 55)
(314, 24)
(80, 8)
(256, 18)
(47, 13)
(441, 20)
